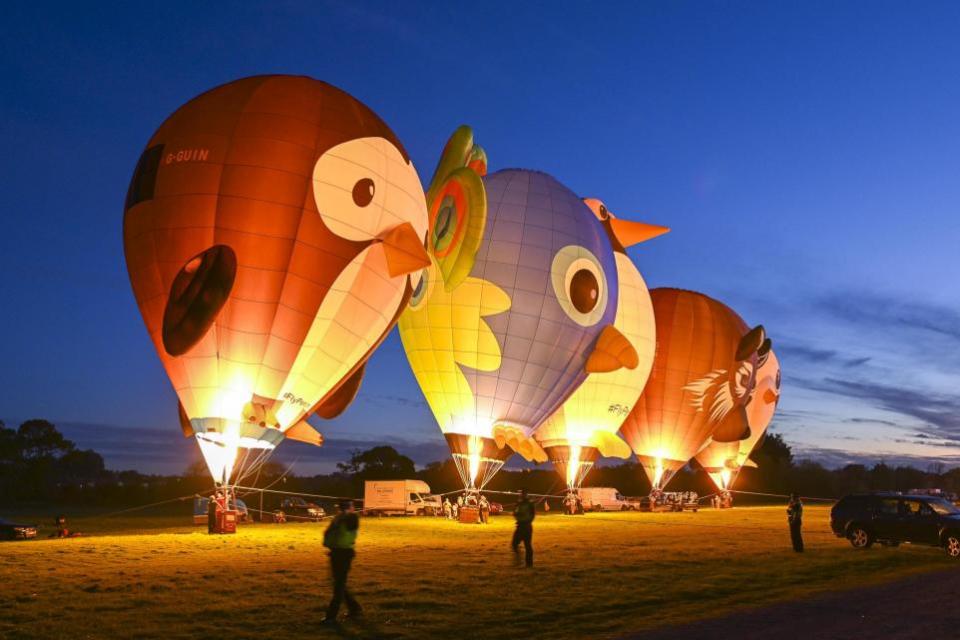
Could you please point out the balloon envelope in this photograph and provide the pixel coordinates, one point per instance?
(587, 423)
(497, 353)
(269, 230)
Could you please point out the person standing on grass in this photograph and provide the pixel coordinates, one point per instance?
(339, 538)
(484, 506)
(795, 520)
(524, 515)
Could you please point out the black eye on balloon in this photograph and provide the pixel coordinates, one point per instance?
(603, 212)
(584, 291)
(363, 192)
(419, 292)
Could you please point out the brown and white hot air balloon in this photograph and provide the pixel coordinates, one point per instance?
(703, 376)
(274, 230)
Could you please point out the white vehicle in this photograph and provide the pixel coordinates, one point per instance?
(400, 497)
(604, 499)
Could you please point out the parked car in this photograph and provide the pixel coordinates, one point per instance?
(891, 519)
(17, 531)
(296, 509)
(496, 508)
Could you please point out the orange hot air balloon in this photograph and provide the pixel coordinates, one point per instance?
(723, 460)
(270, 230)
(703, 376)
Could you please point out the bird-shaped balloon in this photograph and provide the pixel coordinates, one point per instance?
(586, 425)
(516, 309)
(271, 229)
(702, 378)
(723, 460)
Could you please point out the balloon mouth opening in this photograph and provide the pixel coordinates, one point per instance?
(220, 450)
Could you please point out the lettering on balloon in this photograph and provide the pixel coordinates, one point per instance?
(187, 155)
(618, 409)
(295, 400)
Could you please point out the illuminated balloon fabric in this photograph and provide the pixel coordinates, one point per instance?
(723, 460)
(703, 375)
(495, 354)
(269, 230)
(587, 423)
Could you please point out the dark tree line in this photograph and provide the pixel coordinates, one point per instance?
(39, 465)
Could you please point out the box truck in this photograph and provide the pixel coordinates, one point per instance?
(604, 499)
(400, 497)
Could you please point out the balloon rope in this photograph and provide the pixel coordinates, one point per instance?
(783, 495)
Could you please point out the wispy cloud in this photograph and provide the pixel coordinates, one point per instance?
(941, 412)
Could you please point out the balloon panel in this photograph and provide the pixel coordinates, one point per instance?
(293, 186)
(697, 340)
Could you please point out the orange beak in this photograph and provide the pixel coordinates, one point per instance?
(629, 233)
(404, 250)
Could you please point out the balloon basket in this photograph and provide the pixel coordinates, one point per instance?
(225, 522)
(469, 515)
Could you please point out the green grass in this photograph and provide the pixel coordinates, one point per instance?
(596, 575)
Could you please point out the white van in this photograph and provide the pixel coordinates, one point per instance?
(400, 497)
(604, 499)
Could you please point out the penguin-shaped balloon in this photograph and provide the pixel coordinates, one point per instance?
(586, 425)
(273, 230)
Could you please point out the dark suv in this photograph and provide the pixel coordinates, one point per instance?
(891, 519)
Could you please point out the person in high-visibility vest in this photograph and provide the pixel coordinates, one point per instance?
(340, 538)
(524, 515)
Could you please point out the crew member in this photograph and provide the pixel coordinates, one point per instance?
(524, 515)
(340, 537)
(484, 510)
(795, 520)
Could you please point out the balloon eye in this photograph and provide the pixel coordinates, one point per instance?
(363, 192)
(420, 291)
(580, 284)
(445, 225)
(584, 291)
(603, 212)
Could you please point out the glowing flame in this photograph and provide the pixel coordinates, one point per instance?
(725, 479)
(658, 473)
(474, 446)
(573, 466)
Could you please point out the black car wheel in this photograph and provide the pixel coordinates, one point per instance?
(952, 545)
(860, 538)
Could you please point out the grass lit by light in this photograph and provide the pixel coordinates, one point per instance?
(596, 575)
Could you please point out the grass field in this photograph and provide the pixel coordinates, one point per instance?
(598, 575)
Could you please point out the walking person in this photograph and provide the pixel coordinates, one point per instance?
(524, 515)
(795, 520)
(340, 537)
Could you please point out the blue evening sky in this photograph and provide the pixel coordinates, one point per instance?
(806, 155)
